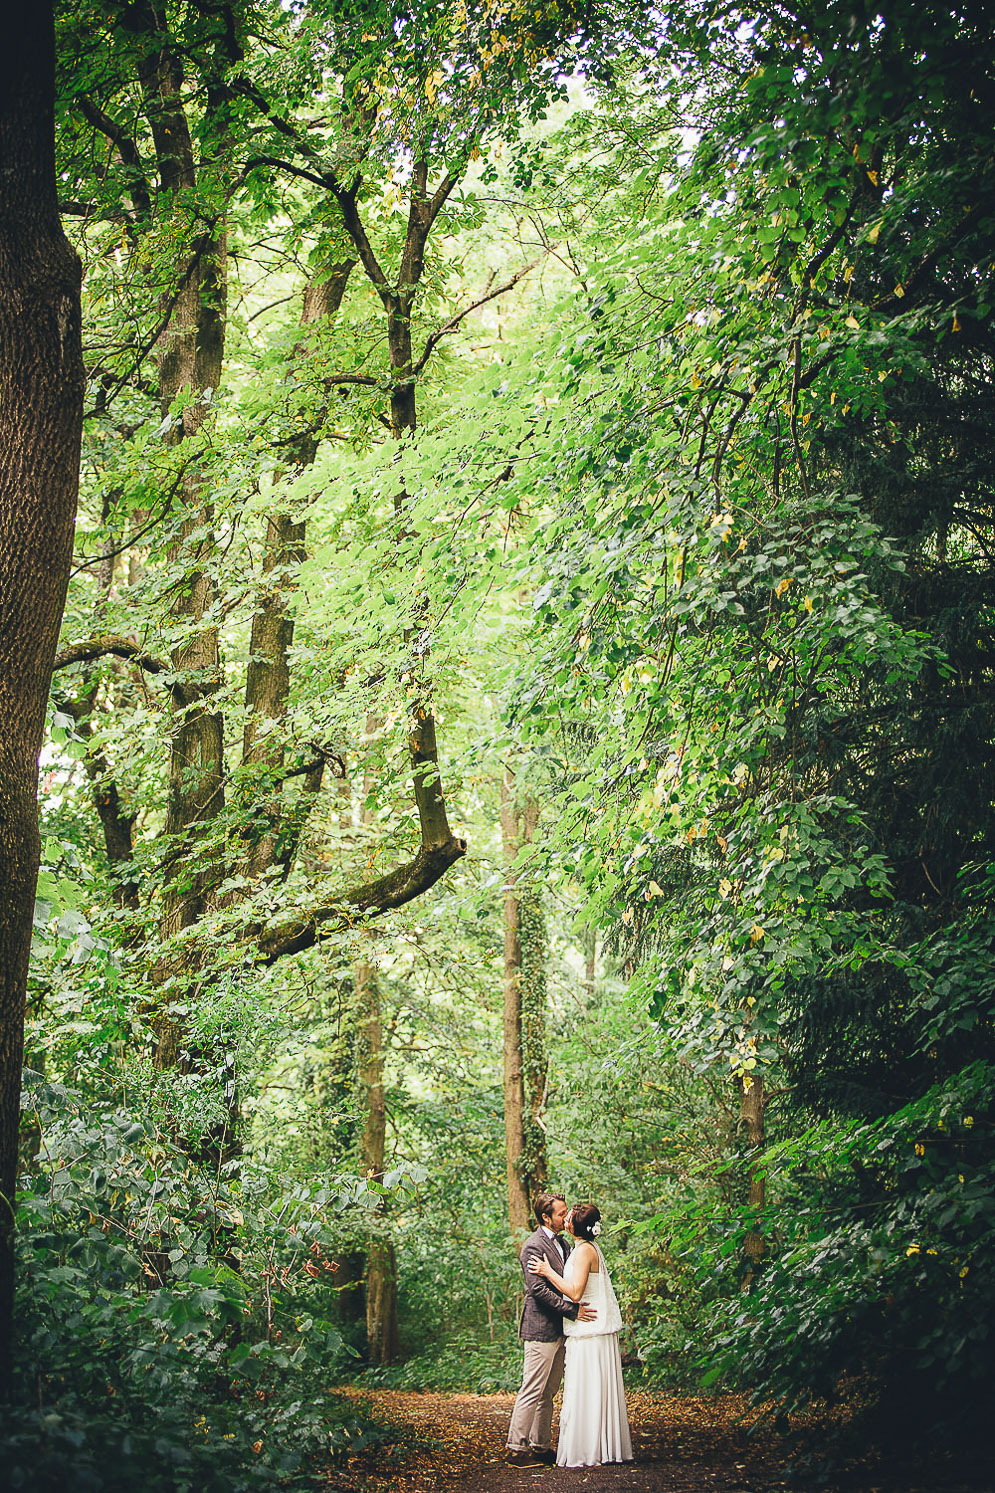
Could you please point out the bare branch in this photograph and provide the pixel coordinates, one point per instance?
(281, 165)
(354, 227)
(436, 337)
(138, 185)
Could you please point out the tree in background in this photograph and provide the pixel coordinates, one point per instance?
(526, 1063)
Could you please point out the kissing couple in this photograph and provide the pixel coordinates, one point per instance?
(569, 1295)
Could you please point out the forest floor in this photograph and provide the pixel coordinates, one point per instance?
(453, 1443)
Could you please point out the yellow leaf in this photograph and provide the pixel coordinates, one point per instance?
(853, 323)
(723, 844)
(913, 1249)
(808, 603)
(782, 586)
(627, 916)
(900, 291)
(873, 177)
(872, 236)
(725, 886)
(757, 934)
(655, 889)
(956, 325)
(963, 1272)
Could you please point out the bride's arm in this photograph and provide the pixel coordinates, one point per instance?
(584, 1255)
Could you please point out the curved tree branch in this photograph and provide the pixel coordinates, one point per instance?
(110, 643)
(368, 901)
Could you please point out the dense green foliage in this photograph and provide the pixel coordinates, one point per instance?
(694, 528)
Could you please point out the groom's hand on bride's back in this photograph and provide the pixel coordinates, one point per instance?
(587, 1313)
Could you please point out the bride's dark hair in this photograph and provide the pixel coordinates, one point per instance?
(583, 1217)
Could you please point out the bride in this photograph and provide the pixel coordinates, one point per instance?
(594, 1427)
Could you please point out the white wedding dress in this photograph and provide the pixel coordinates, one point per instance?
(594, 1426)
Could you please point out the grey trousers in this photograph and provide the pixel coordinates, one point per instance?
(532, 1416)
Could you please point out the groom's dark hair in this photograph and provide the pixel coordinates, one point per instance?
(543, 1204)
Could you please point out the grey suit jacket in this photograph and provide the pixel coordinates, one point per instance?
(545, 1306)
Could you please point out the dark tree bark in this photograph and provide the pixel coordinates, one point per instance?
(116, 821)
(41, 408)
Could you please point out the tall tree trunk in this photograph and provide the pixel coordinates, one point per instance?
(41, 408)
(524, 1030)
(190, 356)
(751, 1110)
(381, 1265)
(381, 1262)
(590, 950)
(267, 682)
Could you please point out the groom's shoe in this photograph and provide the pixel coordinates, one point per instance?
(543, 1454)
(520, 1456)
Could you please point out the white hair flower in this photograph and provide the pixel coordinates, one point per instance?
(596, 1230)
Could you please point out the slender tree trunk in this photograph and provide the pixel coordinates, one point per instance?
(381, 1265)
(267, 683)
(41, 406)
(590, 959)
(115, 820)
(524, 1044)
(751, 1110)
(381, 1262)
(190, 356)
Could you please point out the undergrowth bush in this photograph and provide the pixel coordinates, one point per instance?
(167, 1331)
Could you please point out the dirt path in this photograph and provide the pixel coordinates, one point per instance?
(453, 1444)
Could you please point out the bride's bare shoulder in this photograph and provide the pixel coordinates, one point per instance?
(586, 1251)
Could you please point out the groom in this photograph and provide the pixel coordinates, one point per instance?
(541, 1327)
